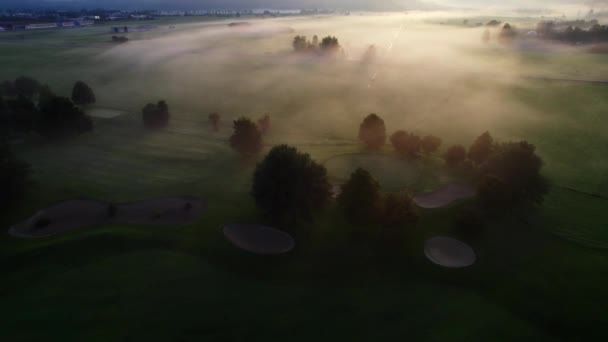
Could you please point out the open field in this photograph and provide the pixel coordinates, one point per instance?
(539, 277)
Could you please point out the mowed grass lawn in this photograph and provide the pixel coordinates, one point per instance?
(539, 276)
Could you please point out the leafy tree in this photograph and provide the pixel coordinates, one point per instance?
(406, 144)
(288, 185)
(430, 144)
(13, 176)
(507, 34)
(59, 118)
(247, 138)
(481, 148)
(398, 210)
(156, 115)
(26, 86)
(7, 88)
(492, 192)
(82, 94)
(45, 95)
(455, 155)
(518, 166)
(372, 131)
(19, 114)
(264, 124)
(315, 41)
(360, 198)
(214, 120)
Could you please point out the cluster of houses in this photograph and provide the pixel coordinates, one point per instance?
(37, 26)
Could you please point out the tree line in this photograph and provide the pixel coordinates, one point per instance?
(328, 44)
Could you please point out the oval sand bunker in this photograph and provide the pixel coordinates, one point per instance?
(448, 252)
(444, 196)
(259, 239)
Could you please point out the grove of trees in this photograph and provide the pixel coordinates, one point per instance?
(289, 185)
(60, 118)
(406, 144)
(156, 115)
(327, 45)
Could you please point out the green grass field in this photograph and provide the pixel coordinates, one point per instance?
(540, 276)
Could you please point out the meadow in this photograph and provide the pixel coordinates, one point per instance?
(540, 275)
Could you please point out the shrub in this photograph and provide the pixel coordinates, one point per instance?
(247, 138)
(59, 118)
(288, 185)
(481, 148)
(372, 131)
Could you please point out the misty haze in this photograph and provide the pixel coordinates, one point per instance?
(301, 170)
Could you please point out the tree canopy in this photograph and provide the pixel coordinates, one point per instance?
(455, 155)
(247, 138)
(481, 148)
(26, 86)
(156, 115)
(82, 94)
(406, 144)
(372, 131)
(13, 176)
(288, 184)
(59, 118)
(430, 144)
(360, 198)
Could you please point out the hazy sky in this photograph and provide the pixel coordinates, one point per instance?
(350, 4)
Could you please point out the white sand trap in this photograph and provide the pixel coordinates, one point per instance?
(105, 113)
(448, 252)
(259, 239)
(81, 214)
(444, 196)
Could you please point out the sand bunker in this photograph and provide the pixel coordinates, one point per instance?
(259, 239)
(80, 214)
(448, 252)
(444, 196)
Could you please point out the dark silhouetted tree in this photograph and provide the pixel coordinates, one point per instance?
(247, 138)
(45, 95)
(481, 148)
(430, 144)
(264, 124)
(492, 192)
(59, 118)
(214, 121)
(372, 131)
(156, 115)
(18, 115)
(300, 43)
(7, 88)
(82, 94)
(455, 155)
(315, 41)
(289, 185)
(507, 34)
(360, 198)
(330, 44)
(406, 144)
(26, 86)
(398, 210)
(518, 166)
(13, 176)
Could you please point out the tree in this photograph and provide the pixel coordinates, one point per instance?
(315, 41)
(507, 34)
(156, 115)
(19, 114)
(26, 86)
(481, 148)
(247, 138)
(82, 94)
(398, 210)
(45, 95)
(370, 54)
(518, 166)
(372, 131)
(430, 144)
(59, 118)
(406, 144)
(330, 44)
(264, 124)
(214, 120)
(492, 192)
(13, 176)
(360, 198)
(288, 185)
(455, 155)
(300, 43)
(7, 88)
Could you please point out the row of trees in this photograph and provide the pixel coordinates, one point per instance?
(578, 32)
(26, 105)
(506, 173)
(328, 44)
(289, 185)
